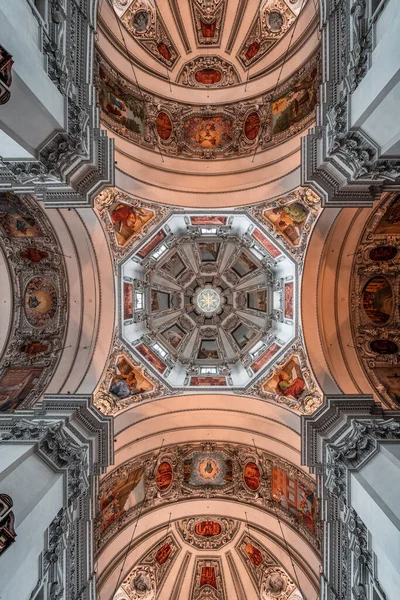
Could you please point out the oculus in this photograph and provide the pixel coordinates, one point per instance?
(208, 300)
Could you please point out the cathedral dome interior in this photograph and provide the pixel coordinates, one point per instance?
(199, 282)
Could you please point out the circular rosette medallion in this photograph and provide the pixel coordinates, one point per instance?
(208, 300)
(209, 469)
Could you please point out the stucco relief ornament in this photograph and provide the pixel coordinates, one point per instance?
(207, 533)
(276, 585)
(141, 583)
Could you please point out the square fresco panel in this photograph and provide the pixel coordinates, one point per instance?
(128, 380)
(244, 265)
(287, 382)
(212, 469)
(126, 493)
(294, 496)
(266, 244)
(159, 300)
(174, 335)
(151, 357)
(128, 221)
(128, 300)
(289, 220)
(174, 266)
(243, 335)
(264, 358)
(208, 251)
(289, 300)
(152, 244)
(257, 300)
(16, 220)
(208, 350)
(15, 385)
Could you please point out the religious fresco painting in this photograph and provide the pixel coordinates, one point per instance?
(208, 577)
(265, 243)
(164, 476)
(252, 476)
(253, 553)
(377, 300)
(40, 301)
(265, 358)
(384, 347)
(174, 335)
(208, 381)
(390, 222)
(209, 251)
(207, 469)
(160, 300)
(252, 126)
(202, 220)
(16, 219)
(257, 300)
(152, 358)
(15, 386)
(128, 300)
(207, 528)
(294, 496)
(288, 300)
(208, 350)
(208, 133)
(33, 255)
(152, 244)
(383, 253)
(163, 126)
(208, 76)
(174, 266)
(243, 265)
(287, 381)
(243, 335)
(123, 495)
(34, 348)
(295, 105)
(128, 221)
(289, 220)
(128, 380)
(120, 106)
(389, 377)
(163, 553)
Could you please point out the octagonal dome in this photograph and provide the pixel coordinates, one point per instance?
(202, 301)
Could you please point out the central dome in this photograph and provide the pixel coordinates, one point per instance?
(208, 300)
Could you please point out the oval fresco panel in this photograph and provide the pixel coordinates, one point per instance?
(140, 21)
(163, 125)
(252, 125)
(384, 347)
(40, 301)
(208, 76)
(212, 132)
(382, 253)
(164, 476)
(207, 528)
(377, 300)
(252, 476)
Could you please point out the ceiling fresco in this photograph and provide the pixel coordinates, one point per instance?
(208, 301)
(37, 268)
(208, 131)
(375, 300)
(209, 470)
(205, 22)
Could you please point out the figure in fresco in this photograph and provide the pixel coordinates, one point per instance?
(33, 254)
(121, 497)
(290, 219)
(164, 476)
(289, 385)
(208, 528)
(252, 476)
(34, 348)
(128, 381)
(164, 51)
(16, 218)
(163, 553)
(127, 216)
(254, 554)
